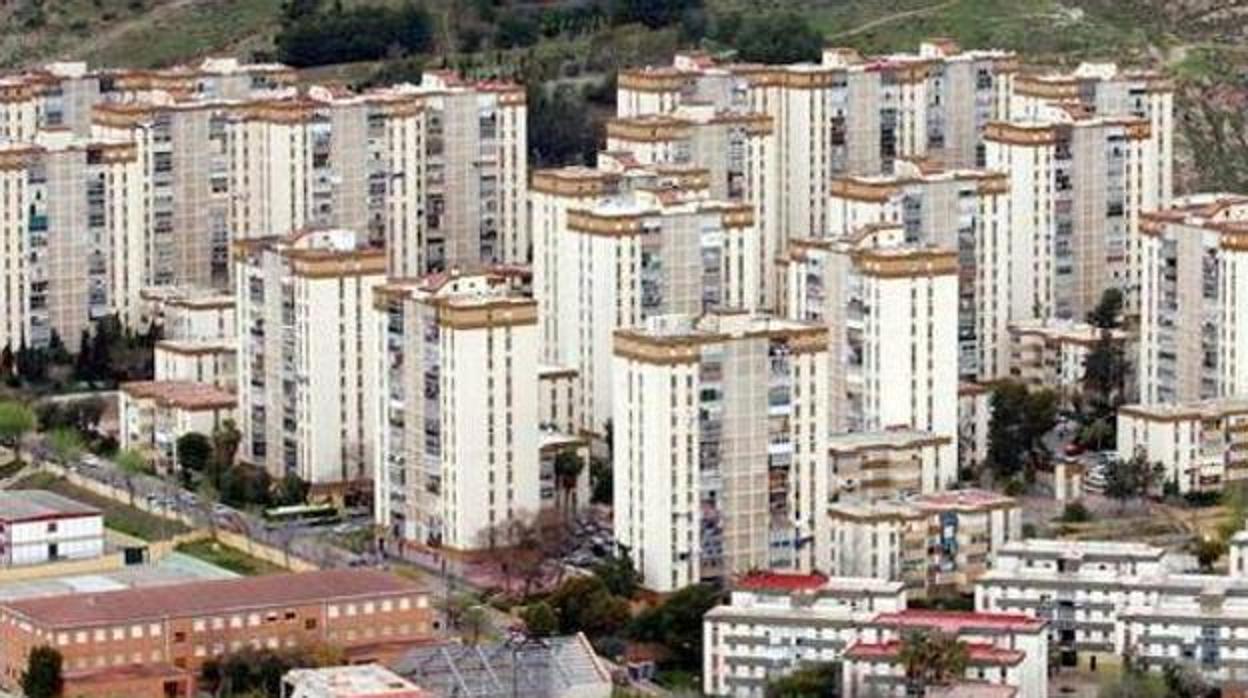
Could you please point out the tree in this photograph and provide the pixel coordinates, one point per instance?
(8, 362)
(568, 468)
(1208, 551)
(601, 481)
(619, 575)
(1182, 681)
(1076, 512)
(474, 622)
(1105, 314)
(677, 624)
(655, 14)
(773, 37)
(194, 452)
(43, 677)
(932, 659)
(517, 28)
(291, 489)
(225, 441)
(810, 681)
(16, 421)
(66, 444)
(1135, 684)
(583, 604)
(540, 619)
(1131, 478)
(560, 131)
(1020, 420)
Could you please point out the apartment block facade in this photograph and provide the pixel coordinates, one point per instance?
(873, 465)
(1054, 353)
(962, 209)
(775, 622)
(1201, 446)
(720, 445)
(1077, 188)
(932, 543)
(849, 114)
(891, 311)
(459, 434)
(1192, 325)
(38, 527)
(308, 362)
(70, 212)
(654, 250)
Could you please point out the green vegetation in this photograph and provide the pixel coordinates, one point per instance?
(811, 681)
(311, 35)
(228, 558)
(259, 672)
(931, 659)
(16, 421)
(1174, 681)
(1020, 419)
(677, 625)
(1131, 479)
(1076, 512)
(117, 516)
(43, 676)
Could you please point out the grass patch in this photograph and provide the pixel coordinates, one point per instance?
(228, 558)
(117, 515)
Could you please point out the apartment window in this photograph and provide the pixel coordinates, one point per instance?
(179, 637)
(309, 624)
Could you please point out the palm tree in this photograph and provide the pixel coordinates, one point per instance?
(931, 659)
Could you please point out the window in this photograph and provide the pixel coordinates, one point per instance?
(309, 624)
(179, 637)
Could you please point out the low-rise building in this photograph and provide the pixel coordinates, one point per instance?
(1054, 354)
(1201, 446)
(1080, 586)
(1206, 629)
(1002, 648)
(890, 463)
(773, 622)
(351, 681)
(37, 526)
(931, 543)
(153, 414)
(152, 642)
(197, 361)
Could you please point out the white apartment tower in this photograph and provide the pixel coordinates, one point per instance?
(892, 319)
(308, 354)
(653, 250)
(70, 216)
(962, 209)
(847, 115)
(1077, 188)
(720, 445)
(459, 437)
(1193, 321)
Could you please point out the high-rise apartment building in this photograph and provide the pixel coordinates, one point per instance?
(720, 445)
(1110, 91)
(308, 362)
(892, 320)
(1200, 446)
(1193, 321)
(654, 249)
(849, 114)
(962, 209)
(1077, 187)
(459, 436)
(70, 217)
(738, 152)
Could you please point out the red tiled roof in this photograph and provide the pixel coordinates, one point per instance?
(955, 622)
(977, 653)
(205, 598)
(781, 581)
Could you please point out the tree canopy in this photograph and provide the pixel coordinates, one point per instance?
(677, 624)
(43, 677)
(16, 421)
(1020, 419)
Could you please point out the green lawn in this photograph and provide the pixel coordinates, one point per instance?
(117, 515)
(228, 558)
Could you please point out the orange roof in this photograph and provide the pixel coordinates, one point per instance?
(781, 581)
(977, 653)
(187, 395)
(956, 622)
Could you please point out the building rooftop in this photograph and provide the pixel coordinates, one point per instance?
(1066, 331)
(780, 581)
(972, 689)
(970, 499)
(955, 622)
(1050, 547)
(203, 598)
(187, 395)
(1173, 411)
(40, 505)
(358, 681)
(555, 667)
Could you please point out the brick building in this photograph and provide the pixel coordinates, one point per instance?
(151, 643)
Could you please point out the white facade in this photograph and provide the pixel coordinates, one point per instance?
(459, 437)
(892, 315)
(38, 527)
(1054, 353)
(308, 359)
(719, 445)
(153, 414)
(1200, 446)
(974, 417)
